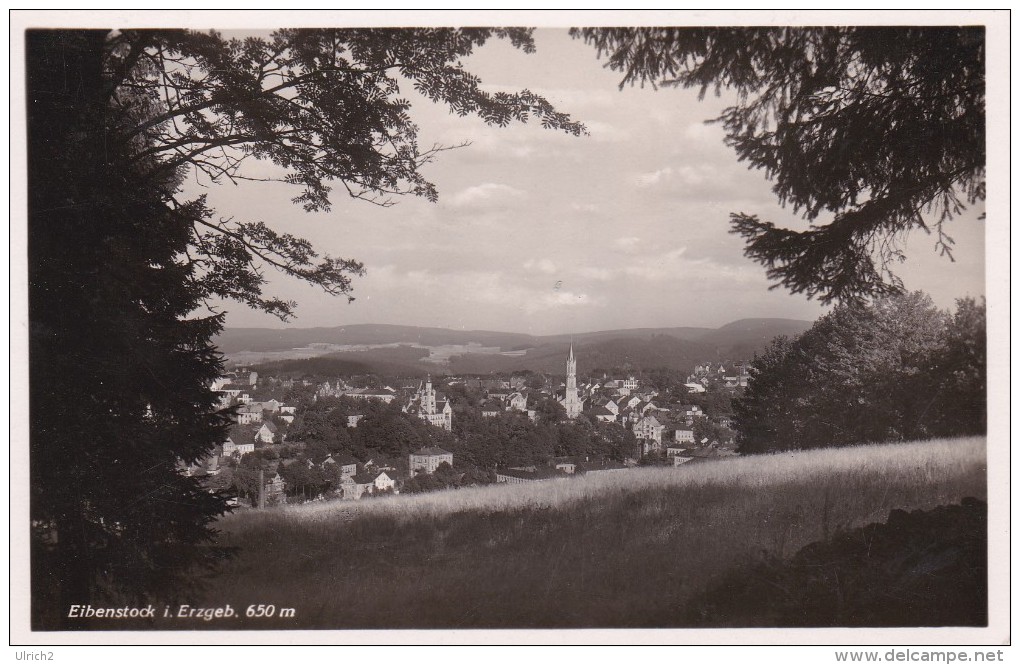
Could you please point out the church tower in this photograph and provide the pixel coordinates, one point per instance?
(571, 402)
(428, 397)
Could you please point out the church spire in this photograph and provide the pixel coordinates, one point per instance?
(571, 401)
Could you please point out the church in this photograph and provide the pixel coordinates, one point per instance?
(432, 407)
(571, 402)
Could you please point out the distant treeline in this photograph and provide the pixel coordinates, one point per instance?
(404, 360)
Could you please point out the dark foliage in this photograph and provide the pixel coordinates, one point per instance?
(120, 264)
(878, 130)
(894, 369)
(118, 376)
(324, 105)
(923, 568)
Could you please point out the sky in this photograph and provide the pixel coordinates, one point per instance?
(543, 232)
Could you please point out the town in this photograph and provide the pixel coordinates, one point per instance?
(313, 438)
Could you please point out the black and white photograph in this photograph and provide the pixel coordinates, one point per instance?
(353, 324)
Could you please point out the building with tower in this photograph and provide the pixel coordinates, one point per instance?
(572, 402)
(432, 407)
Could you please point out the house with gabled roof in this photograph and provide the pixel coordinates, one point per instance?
(603, 415)
(267, 432)
(356, 486)
(517, 402)
(249, 414)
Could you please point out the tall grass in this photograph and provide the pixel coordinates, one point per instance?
(626, 548)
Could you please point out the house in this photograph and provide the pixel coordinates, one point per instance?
(517, 402)
(691, 411)
(331, 390)
(567, 465)
(272, 406)
(530, 474)
(739, 381)
(229, 447)
(627, 402)
(288, 409)
(244, 448)
(249, 413)
(384, 395)
(694, 388)
(352, 421)
(604, 415)
(383, 482)
(605, 466)
(684, 436)
(348, 465)
(429, 459)
(490, 409)
(645, 406)
(356, 486)
(648, 432)
(267, 432)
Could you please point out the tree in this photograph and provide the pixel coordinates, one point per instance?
(118, 375)
(120, 263)
(961, 405)
(324, 105)
(762, 414)
(879, 130)
(885, 370)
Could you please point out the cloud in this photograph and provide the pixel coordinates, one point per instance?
(596, 274)
(605, 132)
(673, 265)
(705, 181)
(653, 178)
(486, 289)
(486, 193)
(628, 244)
(704, 134)
(560, 299)
(544, 265)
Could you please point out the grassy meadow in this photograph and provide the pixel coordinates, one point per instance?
(619, 549)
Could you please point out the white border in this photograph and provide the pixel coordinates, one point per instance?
(997, 288)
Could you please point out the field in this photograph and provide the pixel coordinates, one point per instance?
(619, 549)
